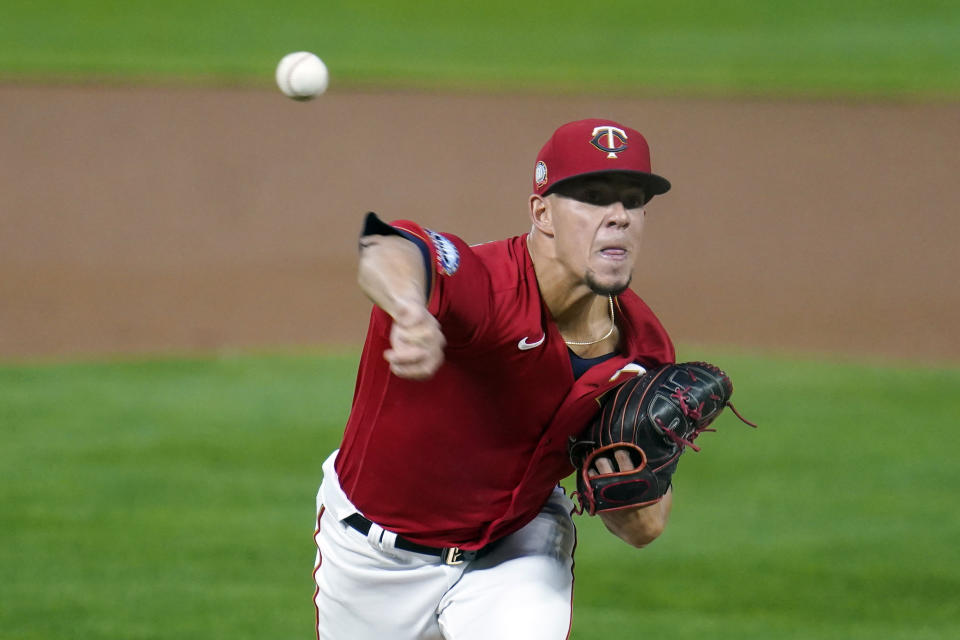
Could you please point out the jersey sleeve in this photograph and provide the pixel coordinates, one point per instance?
(458, 283)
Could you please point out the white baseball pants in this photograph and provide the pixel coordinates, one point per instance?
(368, 590)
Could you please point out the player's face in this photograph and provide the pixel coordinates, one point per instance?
(598, 224)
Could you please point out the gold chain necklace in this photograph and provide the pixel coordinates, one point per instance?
(609, 333)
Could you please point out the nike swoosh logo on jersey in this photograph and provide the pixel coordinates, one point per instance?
(523, 345)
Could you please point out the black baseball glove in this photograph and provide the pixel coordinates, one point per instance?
(652, 418)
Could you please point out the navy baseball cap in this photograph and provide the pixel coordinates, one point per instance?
(594, 146)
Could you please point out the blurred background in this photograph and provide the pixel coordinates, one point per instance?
(180, 329)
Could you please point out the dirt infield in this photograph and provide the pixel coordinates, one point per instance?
(156, 220)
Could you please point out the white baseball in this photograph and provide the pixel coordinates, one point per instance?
(302, 75)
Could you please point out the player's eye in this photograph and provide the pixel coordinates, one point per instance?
(633, 202)
(593, 196)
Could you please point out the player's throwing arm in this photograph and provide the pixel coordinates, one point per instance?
(391, 274)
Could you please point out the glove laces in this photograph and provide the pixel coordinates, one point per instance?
(695, 413)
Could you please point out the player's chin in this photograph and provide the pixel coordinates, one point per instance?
(608, 283)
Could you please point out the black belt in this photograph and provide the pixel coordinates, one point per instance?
(447, 555)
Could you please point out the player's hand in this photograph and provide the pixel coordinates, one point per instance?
(637, 526)
(416, 342)
(621, 462)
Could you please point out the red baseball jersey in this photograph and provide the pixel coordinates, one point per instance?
(471, 454)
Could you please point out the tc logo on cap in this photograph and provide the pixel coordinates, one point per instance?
(610, 139)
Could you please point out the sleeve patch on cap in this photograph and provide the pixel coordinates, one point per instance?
(448, 258)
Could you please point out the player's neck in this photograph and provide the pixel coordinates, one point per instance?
(589, 326)
(564, 297)
(584, 318)
(580, 313)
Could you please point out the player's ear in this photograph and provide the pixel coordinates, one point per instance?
(541, 214)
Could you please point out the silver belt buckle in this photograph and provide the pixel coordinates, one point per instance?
(452, 556)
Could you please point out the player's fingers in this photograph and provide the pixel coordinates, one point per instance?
(410, 356)
(410, 373)
(413, 373)
(428, 340)
(403, 355)
(624, 463)
(603, 466)
(413, 365)
(412, 339)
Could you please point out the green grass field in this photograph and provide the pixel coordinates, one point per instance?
(174, 499)
(818, 48)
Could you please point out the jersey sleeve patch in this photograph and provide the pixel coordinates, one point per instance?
(448, 258)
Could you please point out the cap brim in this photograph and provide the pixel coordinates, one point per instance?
(653, 185)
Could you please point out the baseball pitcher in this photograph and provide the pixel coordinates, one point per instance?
(480, 387)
